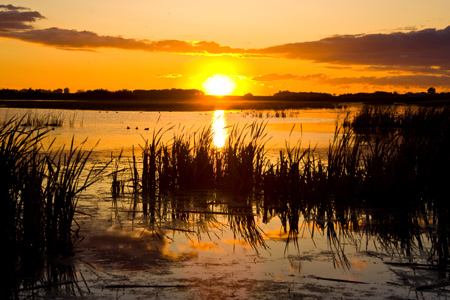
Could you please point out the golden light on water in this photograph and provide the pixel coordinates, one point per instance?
(219, 130)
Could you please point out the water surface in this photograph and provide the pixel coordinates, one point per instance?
(208, 245)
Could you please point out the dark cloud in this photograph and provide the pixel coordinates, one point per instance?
(406, 70)
(407, 28)
(428, 47)
(17, 18)
(417, 49)
(418, 81)
(12, 7)
(85, 40)
(275, 77)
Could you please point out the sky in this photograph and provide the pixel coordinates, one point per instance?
(263, 46)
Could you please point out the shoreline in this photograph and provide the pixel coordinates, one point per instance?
(203, 104)
(166, 105)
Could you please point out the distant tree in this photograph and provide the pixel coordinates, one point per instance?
(431, 91)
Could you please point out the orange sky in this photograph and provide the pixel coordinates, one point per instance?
(264, 46)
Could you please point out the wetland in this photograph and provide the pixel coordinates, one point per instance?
(343, 202)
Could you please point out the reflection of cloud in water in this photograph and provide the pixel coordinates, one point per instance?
(202, 246)
(280, 235)
(236, 242)
(131, 250)
(358, 264)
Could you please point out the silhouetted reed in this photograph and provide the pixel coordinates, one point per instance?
(36, 120)
(190, 161)
(385, 182)
(38, 200)
(371, 117)
(388, 182)
(118, 185)
(244, 159)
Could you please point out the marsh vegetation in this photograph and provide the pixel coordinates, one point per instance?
(383, 179)
(384, 176)
(38, 201)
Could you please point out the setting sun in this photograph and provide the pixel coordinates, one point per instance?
(219, 85)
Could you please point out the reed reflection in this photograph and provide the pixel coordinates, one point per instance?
(219, 130)
(384, 184)
(336, 195)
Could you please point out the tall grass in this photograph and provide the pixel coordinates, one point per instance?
(365, 172)
(191, 161)
(37, 120)
(376, 117)
(38, 201)
(357, 164)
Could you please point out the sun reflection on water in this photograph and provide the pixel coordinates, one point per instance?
(219, 130)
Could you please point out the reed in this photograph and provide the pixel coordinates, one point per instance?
(396, 166)
(357, 165)
(151, 157)
(118, 185)
(190, 161)
(48, 120)
(388, 181)
(244, 158)
(376, 117)
(38, 200)
(190, 164)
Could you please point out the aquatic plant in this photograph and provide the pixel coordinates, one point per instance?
(38, 200)
(395, 168)
(244, 158)
(37, 120)
(371, 117)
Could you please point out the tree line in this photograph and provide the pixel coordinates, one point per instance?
(175, 94)
(97, 94)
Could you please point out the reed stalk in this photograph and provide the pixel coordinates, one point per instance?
(396, 168)
(38, 200)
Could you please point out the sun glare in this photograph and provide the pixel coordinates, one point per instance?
(219, 128)
(219, 85)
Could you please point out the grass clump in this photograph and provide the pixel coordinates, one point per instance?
(47, 120)
(191, 161)
(38, 201)
(388, 182)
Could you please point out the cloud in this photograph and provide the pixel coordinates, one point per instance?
(17, 17)
(12, 7)
(169, 76)
(88, 40)
(428, 47)
(419, 81)
(416, 80)
(408, 69)
(407, 28)
(398, 50)
(275, 77)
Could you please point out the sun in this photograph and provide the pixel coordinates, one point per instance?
(219, 85)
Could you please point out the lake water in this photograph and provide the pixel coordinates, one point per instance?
(207, 245)
(124, 129)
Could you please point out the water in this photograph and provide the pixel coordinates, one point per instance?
(213, 246)
(315, 126)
